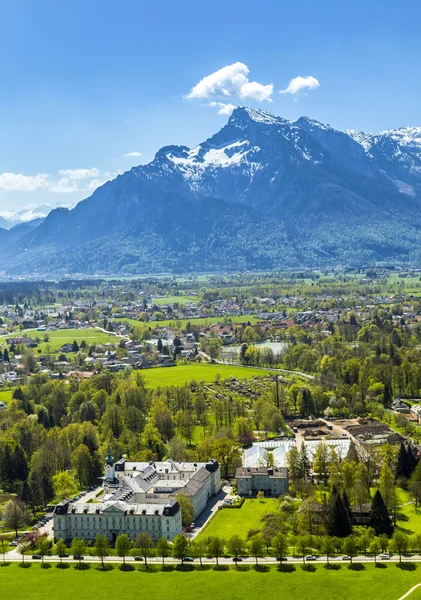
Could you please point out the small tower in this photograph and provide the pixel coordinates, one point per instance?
(109, 468)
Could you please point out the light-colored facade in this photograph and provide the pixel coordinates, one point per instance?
(139, 498)
(272, 481)
(115, 517)
(160, 482)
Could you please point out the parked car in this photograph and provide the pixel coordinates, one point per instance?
(188, 559)
(138, 557)
(385, 556)
(237, 559)
(63, 556)
(78, 557)
(36, 556)
(346, 558)
(192, 526)
(13, 543)
(311, 557)
(283, 558)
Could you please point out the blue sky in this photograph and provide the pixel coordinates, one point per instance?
(83, 84)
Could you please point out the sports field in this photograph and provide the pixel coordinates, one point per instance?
(181, 374)
(36, 583)
(239, 521)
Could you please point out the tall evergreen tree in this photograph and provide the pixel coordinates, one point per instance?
(379, 516)
(347, 505)
(352, 455)
(402, 464)
(338, 521)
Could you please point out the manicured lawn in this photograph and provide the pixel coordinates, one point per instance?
(66, 336)
(230, 521)
(36, 583)
(181, 374)
(409, 520)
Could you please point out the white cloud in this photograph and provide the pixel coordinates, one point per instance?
(78, 174)
(18, 182)
(65, 186)
(301, 83)
(224, 109)
(230, 81)
(134, 153)
(256, 91)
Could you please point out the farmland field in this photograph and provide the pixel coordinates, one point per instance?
(66, 336)
(36, 583)
(179, 375)
(201, 321)
(230, 521)
(174, 299)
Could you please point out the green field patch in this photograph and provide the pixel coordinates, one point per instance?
(57, 338)
(182, 374)
(199, 322)
(36, 583)
(239, 521)
(174, 299)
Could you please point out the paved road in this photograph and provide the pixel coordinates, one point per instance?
(14, 556)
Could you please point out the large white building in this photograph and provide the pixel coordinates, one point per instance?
(111, 518)
(160, 482)
(139, 497)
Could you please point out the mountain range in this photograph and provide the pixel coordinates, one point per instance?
(262, 193)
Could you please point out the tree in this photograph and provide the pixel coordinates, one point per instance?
(379, 516)
(64, 485)
(403, 466)
(280, 546)
(199, 549)
(15, 515)
(321, 462)
(216, 548)
(145, 543)
(22, 548)
(350, 546)
(399, 543)
(101, 547)
(338, 521)
(374, 548)
(256, 547)
(61, 549)
(235, 546)
(302, 546)
(386, 484)
(43, 547)
(227, 453)
(180, 547)
(83, 464)
(122, 547)
(187, 509)
(78, 548)
(328, 547)
(4, 542)
(163, 548)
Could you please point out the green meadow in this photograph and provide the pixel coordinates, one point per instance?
(37, 583)
(182, 374)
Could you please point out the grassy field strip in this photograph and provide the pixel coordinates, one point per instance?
(182, 374)
(38, 583)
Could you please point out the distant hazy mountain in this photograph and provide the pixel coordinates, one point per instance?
(262, 193)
